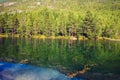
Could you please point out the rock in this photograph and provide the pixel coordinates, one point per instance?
(25, 61)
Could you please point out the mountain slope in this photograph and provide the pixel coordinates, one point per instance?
(20, 5)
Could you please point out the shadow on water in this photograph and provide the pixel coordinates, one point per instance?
(25, 72)
(66, 56)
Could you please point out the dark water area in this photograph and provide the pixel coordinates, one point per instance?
(66, 56)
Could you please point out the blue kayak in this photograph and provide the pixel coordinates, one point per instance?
(9, 71)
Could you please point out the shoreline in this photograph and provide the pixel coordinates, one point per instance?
(55, 37)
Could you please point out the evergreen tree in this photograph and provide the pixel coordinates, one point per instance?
(3, 25)
(89, 29)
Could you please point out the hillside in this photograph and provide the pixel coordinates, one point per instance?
(89, 18)
(20, 5)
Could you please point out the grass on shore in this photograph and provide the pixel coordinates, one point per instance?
(57, 37)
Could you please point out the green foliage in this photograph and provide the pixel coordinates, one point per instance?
(89, 28)
(71, 18)
(2, 25)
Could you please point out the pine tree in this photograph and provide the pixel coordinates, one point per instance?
(3, 25)
(89, 28)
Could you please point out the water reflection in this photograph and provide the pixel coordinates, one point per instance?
(24, 72)
(64, 55)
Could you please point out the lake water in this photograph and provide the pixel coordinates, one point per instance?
(10, 71)
(67, 56)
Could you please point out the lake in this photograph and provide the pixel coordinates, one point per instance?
(101, 58)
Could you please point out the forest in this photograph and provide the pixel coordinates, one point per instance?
(77, 18)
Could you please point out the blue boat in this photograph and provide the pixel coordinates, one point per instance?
(10, 71)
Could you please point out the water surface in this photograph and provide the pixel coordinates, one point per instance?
(10, 71)
(66, 56)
